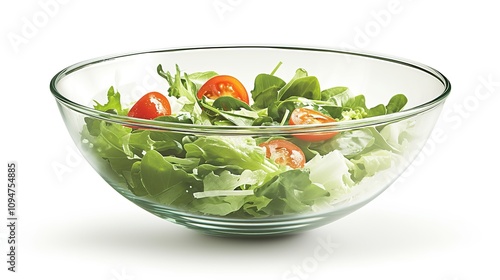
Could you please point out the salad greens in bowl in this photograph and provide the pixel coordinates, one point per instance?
(249, 140)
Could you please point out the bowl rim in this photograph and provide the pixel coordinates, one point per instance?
(252, 130)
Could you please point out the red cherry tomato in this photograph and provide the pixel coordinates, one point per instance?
(150, 106)
(223, 85)
(301, 116)
(285, 153)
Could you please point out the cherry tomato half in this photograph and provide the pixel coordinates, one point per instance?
(223, 85)
(301, 116)
(284, 152)
(150, 106)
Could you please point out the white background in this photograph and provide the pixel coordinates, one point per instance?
(440, 221)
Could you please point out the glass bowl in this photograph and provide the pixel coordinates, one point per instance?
(146, 160)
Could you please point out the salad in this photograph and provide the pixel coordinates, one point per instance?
(243, 176)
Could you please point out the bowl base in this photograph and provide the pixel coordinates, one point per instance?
(233, 227)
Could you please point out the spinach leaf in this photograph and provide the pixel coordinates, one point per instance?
(229, 103)
(301, 85)
(265, 91)
(337, 95)
(396, 103)
(378, 110)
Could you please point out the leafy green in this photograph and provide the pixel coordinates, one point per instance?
(368, 164)
(353, 142)
(337, 95)
(231, 175)
(159, 175)
(265, 91)
(332, 172)
(290, 192)
(113, 105)
(185, 90)
(396, 103)
(240, 151)
(229, 111)
(228, 181)
(218, 205)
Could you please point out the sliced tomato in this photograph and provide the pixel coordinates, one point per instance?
(150, 106)
(223, 85)
(302, 116)
(285, 153)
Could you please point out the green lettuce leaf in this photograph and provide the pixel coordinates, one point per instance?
(218, 206)
(370, 163)
(290, 192)
(331, 172)
(353, 142)
(240, 151)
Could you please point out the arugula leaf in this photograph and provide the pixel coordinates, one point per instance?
(185, 90)
(113, 104)
(225, 116)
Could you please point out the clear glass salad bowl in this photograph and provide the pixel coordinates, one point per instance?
(221, 166)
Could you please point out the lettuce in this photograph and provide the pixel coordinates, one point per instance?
(231, 175)
(331, 172)
(240, 151)
(370, 163)
(290, 192)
